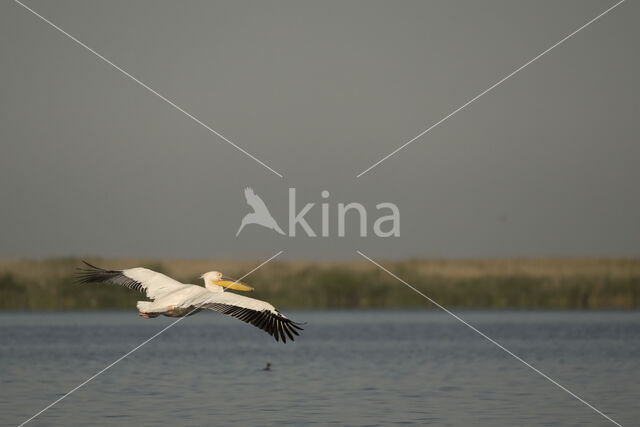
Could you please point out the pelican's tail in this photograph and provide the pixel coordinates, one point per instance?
(143, 306)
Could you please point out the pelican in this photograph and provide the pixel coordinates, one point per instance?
(174, 299)
(260, 214)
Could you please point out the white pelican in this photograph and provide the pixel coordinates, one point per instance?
(174, 299)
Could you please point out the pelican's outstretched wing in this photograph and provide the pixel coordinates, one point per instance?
(256, 202)
(250, 310)
(153, 284)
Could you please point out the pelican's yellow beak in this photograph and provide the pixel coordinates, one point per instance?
(236, 285)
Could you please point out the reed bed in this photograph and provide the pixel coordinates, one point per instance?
(554, 283)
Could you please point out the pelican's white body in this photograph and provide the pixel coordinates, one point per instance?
(168, 293)
(174, 299)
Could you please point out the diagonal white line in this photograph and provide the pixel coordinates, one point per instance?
(491, 340)
(133, 350)
(168, 101)
(493, 86)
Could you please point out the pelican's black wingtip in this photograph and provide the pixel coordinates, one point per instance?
(92, 274)
(88, 264)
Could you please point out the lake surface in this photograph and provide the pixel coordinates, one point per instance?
(347, 368)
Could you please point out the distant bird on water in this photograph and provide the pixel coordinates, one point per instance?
(268, 367)
(174, 299)
(260, 214)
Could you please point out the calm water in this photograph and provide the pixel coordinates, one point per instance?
(348, 368)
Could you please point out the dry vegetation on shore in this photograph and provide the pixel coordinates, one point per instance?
(500, 283)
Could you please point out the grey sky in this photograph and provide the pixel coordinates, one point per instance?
(544, 165)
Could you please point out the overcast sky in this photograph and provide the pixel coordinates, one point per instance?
(546, 164)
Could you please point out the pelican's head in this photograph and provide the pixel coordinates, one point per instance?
(216, 278)
(211, 276)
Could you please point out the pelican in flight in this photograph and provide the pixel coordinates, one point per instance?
(260, 214)
(174, 299)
